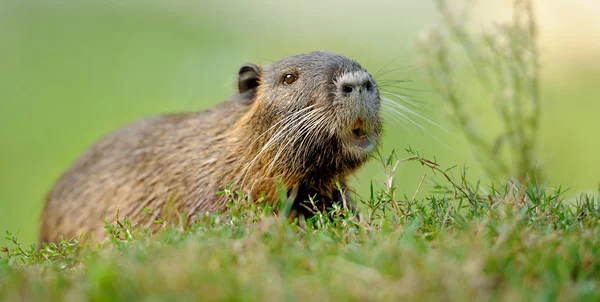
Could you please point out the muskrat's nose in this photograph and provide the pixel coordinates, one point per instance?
(351, 87)
(355, 82)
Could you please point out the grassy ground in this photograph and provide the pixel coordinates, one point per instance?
(464, 242)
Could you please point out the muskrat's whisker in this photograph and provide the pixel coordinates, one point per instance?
(279, 134)
(296, 125)
(382, 83)
(395, 80)
(285, 119)
(384, 67)
(402, 98)
(395, 116)
(390, 102)
(385, 86)
(308, 135)
(416, 124)
(284, 122)
(408, 110)
(391, 105)
(380, 74)
(299, 130)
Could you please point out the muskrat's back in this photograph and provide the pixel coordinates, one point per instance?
(140, 165)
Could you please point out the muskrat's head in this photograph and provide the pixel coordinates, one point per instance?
(314, 117)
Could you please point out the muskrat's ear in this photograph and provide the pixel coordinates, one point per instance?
(248, 78)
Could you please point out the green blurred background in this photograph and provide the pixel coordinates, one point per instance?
(71, 71)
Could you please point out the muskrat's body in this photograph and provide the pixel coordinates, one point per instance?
(304, 120)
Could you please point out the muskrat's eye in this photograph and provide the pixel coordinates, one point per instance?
(289, 79)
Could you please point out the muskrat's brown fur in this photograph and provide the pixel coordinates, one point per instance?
(292, 120)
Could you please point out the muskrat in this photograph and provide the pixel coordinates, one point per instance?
(306, 122)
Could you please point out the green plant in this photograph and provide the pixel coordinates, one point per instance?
(464, 241)
(502, 66)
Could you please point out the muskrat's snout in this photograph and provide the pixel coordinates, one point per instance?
(357, 97)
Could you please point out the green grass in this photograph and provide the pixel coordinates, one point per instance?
(464, 241)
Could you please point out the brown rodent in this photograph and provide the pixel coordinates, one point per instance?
(306, 120)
